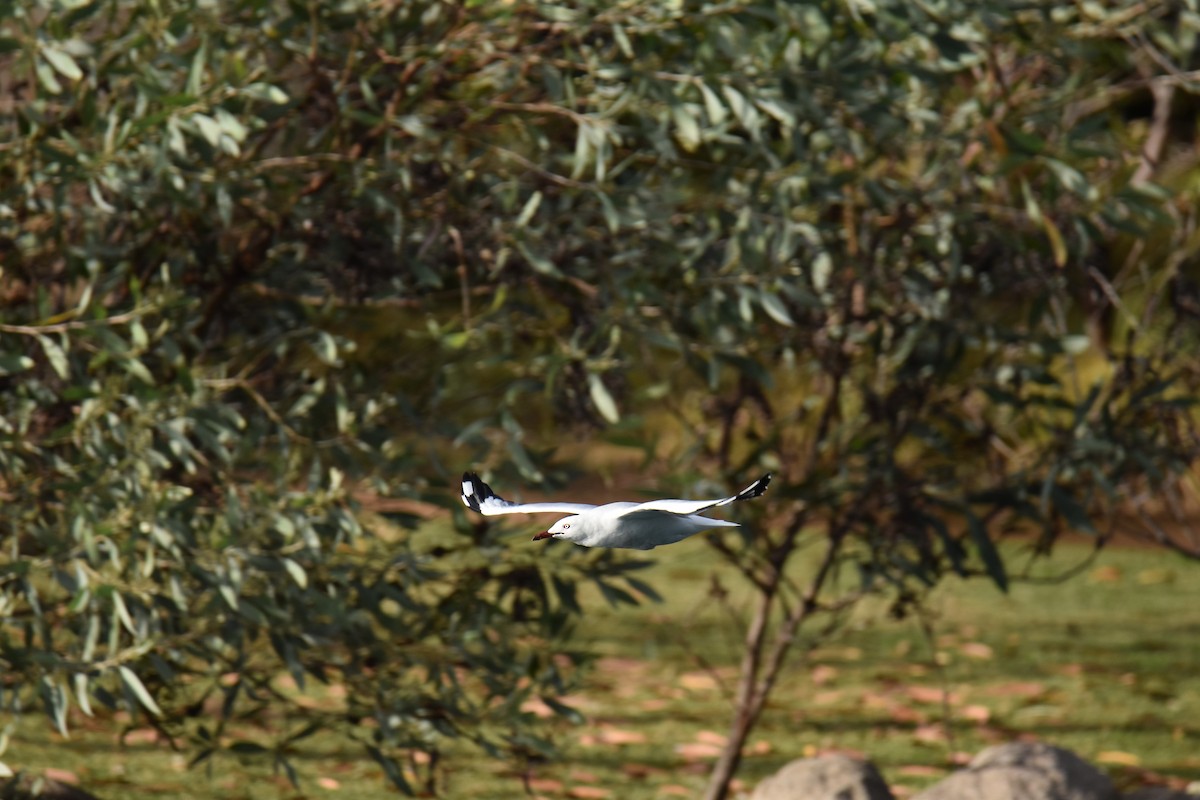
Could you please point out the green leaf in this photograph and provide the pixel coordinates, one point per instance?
(563, 710)
(622, 41)
(1057, 245)
(47, 78)
(12, 363)
(231, 125)
(602, 399)
(390, 768)
(122, 613)
(1076, 343)
(530, 208)
(266, 93)
(687, 130)
(208, 128)
(1074, 513)
(62, 63)
(712, 104)
(326, 349)
(539, 262)
(82, 693)
(57, 702)
(775, 308)
(297, 572)
(138, 370)
(986, 548)
(776, 111)
(134, 684)
(56, 356)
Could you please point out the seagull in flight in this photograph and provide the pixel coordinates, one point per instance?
(636, 526)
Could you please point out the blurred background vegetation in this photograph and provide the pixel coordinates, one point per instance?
(275, 273)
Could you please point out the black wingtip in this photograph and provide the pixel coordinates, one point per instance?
(474, 490)
(755, 489)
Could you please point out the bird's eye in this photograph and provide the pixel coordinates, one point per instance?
(565, 527)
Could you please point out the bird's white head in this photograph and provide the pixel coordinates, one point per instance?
(569, 528)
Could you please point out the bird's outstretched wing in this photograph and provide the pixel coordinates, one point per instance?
(696, 506)
(478, 496)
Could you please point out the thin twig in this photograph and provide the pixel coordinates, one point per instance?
(74, 325)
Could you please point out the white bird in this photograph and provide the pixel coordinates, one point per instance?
(637, 526)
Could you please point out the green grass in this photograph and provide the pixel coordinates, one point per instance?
(1103, 664)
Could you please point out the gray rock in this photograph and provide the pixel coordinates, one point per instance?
(832, 777)
(1024, 771)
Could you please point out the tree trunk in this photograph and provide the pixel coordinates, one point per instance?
(748, 703)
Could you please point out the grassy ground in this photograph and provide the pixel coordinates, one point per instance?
(1103, 664)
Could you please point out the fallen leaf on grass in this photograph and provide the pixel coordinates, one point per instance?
(621, 665)
(976, 713)
(588, 792)
(926, 694)
(140, 736)
(618, 736)
(822, 674)
(977, 650)
(697, 681)
(1118, 757)
(934, 695)
(929, 734)
(537, 707)
(675, 790)
(545, 785)
(828, 697)
(906, 715)
(1015, 689)
(711, 737)
(61, 775)
(920, 771)
(583, 776)
(876, 700)
(1105, 574)
(693, 751)
(760, 748)
(654, 704)
(329, 783)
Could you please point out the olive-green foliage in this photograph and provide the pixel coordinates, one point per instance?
(261, 258)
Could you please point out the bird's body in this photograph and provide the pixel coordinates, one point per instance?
(636, 526)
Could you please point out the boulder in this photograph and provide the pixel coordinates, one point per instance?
(831, 777)
(1024, 771)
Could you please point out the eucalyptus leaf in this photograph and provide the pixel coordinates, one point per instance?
(134, 684)
(603, 400)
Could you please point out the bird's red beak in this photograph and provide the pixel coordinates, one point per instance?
(542, 535)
